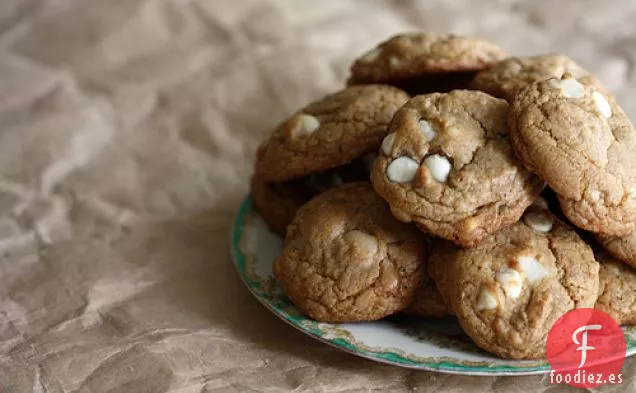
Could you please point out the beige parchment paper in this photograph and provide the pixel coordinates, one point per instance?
(127, 135)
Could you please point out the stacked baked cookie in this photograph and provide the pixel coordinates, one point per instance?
(417, 189)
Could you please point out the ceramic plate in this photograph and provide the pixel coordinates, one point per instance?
(435, 345)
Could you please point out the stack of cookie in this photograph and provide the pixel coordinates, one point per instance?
(418, 189)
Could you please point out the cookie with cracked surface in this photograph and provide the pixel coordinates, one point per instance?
(346, 259)
(428, 302)
(509, 290)
(622, 248)
(330, 132)
(277, 203)
(447, 165)
(433, 62)
(573, 134)
(506, 77)
(617, 290)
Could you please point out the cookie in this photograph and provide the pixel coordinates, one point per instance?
(509, 290)
(447, 165)
(330, 132)
(622, 248)
(617, 290)
(346, 259)
(357, 170)
(447, 60)
(428, 302)
(277, 203)
(551, 202)
(506, 77)
(573, 135)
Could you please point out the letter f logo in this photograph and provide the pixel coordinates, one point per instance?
(584, 347)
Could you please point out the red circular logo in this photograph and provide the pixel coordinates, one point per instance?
(586, 349)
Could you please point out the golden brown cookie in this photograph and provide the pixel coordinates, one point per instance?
(329, 133)
(617, 290)
(504, 78)
(428, 302)
(447, 165)
(347, 259)
(621, 247)
(277, 203)
(408, 56)
(573, 134)
(509, 290)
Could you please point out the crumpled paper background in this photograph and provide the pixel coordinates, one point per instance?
(127, 134)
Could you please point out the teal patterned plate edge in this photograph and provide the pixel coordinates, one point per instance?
(432, 345)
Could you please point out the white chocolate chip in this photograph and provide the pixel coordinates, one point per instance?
(387, 144)
(595, 195)
(486, 300)
(370, 56)
(542, 203)
(362, 241)
(533, 269)
(305, 125)
(402, 170)
(394, 62)
(602, 105)
(438, 166)
(570, 88)
(510, 281)
(539, 221)
(427, 129)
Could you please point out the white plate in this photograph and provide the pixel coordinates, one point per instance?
(435, 345)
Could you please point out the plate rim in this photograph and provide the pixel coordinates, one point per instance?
(446, 367)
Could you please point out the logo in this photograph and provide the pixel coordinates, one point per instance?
(586, 348)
